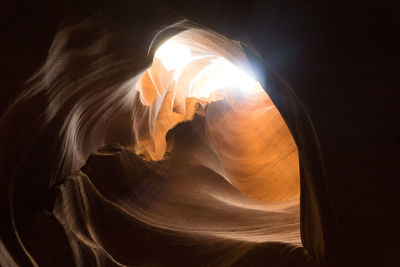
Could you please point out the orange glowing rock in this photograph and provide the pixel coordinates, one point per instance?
(189, 70)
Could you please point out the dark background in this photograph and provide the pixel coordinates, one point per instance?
(342, 60)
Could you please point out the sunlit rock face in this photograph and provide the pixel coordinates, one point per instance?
(189, 76)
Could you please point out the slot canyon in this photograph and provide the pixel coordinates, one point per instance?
(200, 133)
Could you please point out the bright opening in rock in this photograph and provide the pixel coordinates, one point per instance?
(217, 73)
